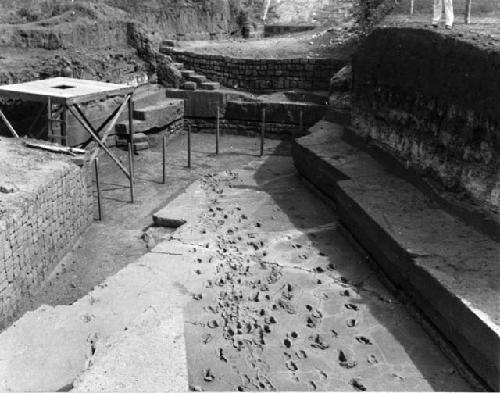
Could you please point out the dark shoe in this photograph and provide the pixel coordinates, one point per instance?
(448, 27)
(435, 25)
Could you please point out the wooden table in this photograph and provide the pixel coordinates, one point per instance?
(66, 94)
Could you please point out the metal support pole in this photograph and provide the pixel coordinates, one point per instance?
(164, 159)
(64, 126)
(217, 131)
(98, 186)
(412, 7)
(468, 6)
(189, 146)
(49, 121)
(263, 132)
(131, 147)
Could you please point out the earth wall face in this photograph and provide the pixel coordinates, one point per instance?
(432, 101)
(183, 19)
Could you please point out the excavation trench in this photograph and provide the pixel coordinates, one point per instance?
(283, 301)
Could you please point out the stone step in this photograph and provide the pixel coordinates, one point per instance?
(210, 85)
(141, 146)
(166, 50)
(161, 114)
(139, 126)
(137, 146)
(187, 73)
(140, 142)
(189, 85)
(136, 138)
(196, 78)
(170, 43)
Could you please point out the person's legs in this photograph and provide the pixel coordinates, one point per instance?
(438, 10)
(448, 11)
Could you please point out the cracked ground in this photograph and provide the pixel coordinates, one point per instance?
(285, 302)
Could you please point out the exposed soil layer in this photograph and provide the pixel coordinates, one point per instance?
(430, 100)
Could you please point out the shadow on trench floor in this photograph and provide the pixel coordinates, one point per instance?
(294, 306)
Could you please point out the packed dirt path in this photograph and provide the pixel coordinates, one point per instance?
(284, 301)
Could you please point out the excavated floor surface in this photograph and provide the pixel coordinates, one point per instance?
(285, 302)
(273, 297)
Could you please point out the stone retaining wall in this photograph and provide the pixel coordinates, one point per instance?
(245, 118)
(245, 128)
(39, 223)
(261, 74)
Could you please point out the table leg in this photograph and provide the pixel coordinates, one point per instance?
(64, 126)
(131, 146)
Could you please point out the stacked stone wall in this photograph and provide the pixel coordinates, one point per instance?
(245, 128)
(262, 74)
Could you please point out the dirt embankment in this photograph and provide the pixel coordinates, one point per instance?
(185, 19)
(431, 100)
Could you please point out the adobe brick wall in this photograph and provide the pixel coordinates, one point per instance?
(262, 74)
(40, 221)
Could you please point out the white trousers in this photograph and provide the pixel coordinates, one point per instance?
(448, 11)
